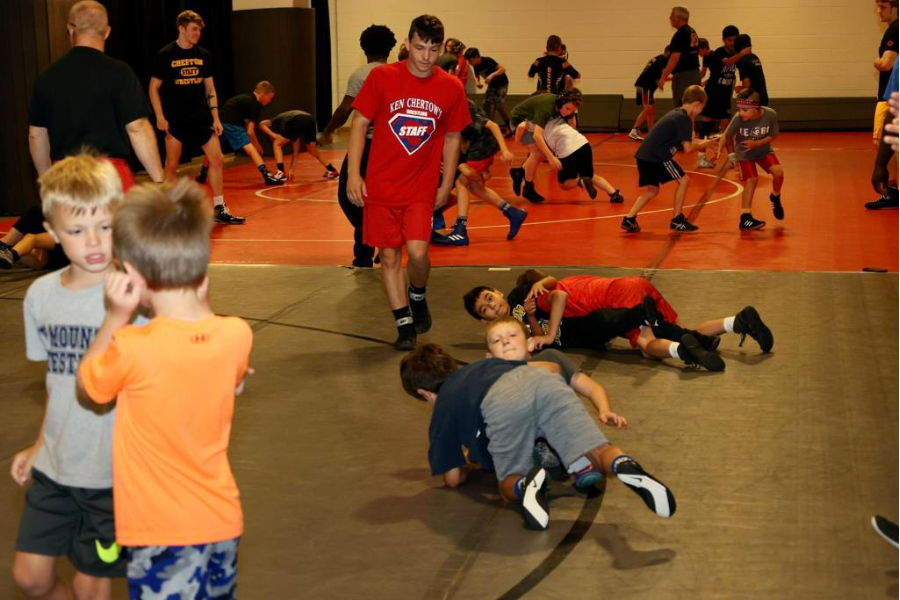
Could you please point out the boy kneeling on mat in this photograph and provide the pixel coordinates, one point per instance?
(498, 407)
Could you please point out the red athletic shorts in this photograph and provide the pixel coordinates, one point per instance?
(393, 226)
(625, 292)
(480, 166)
(748, 167)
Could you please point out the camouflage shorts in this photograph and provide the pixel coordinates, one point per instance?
(495, 95)
(202, 572)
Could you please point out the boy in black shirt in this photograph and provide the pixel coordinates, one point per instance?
(184, 99)
(719, 87)
(240, 116)
(298, 128)
(656, 163)
(494, 76)
(551, 69)
(645, 87)
(497, 408)
(750, 69)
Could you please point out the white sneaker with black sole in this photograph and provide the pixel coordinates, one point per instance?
(534, 499)
(652, 491)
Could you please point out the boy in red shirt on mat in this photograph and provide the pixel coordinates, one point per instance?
(418, 113)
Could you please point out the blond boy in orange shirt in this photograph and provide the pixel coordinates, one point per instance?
(176, 502)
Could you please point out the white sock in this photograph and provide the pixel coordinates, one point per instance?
(673, 350)
(579, 465)
(728, 324)
(218, 200)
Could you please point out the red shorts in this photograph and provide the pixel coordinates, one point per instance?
(392, 226)
(481, 166)
(625, 292)
(748, 167)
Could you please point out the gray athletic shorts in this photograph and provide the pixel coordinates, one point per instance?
(681, 81)
(530, 402)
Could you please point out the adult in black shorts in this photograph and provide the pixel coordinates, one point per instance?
(684, 58)
(187, 109)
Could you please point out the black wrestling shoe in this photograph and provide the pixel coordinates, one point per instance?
(748, 221)
(535, 509)
(406, 339)
(885, 202)
(222, 215)
(709, 342)
(630, 224)
(777, 208)
(588, 184)
(616, 197)
(518, 176)
(271, 179)
(531, 194)
(748, 322)
(692, 353)
(650, 313)
(680, 223)
(885, 529)
(655, 494)
(421, 315)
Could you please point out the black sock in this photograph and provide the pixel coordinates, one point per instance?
(774, 195)
(416, 294)
(262, 169)
(280, 167)
(403, 318)
(461, 221)
(505, 206)
(15, 255)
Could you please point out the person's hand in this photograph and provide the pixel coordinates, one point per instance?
(123, 292)
(162, 124)
(893, 102)
(240, 387)
(542, 340)
(554, 162)
(356, 189)
(20, 470)
(537, 289)
(530, 306)
(507, 157)
(488, 79)
(660, 84)
(750, 144)
(612, 419)
(217, 126)
(880, 179)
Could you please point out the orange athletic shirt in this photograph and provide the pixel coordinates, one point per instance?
(175, 381)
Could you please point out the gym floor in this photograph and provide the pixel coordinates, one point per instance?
(777, 464)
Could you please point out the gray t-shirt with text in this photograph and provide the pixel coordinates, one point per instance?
(741, 130)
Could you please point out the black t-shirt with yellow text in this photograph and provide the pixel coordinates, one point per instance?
(182, 92)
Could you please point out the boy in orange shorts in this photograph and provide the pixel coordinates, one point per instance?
(176, 503)
(417, 113)
(752, 130)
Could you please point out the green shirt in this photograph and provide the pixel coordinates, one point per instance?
(538, 109)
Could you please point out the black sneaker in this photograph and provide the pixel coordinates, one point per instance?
(885, 202)
(406, 339)
(630, 224)
(650, 313)
(652, 491)
(749, 222)
(680, 223)
(777, 208)
(531, 194)
(518, 176)
(709, 342)
(270, 179)
(692, 353)
(534, 499)
(7, 258)
(588, 184)
(616, 197)
(222, 215)
(421, 315)
(362, 263)
(885, 529)
(748, 322)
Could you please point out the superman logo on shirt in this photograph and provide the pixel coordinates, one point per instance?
(412, 131)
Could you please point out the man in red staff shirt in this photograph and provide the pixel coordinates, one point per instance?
(417, 113)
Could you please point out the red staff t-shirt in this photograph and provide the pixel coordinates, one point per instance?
(410, 116)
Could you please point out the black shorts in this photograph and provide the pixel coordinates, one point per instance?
(31, 221)
(707, 127)
(718, 105)
(74, 522)
(656, 174)
(644, 96)
(191, 134)
(578, 164)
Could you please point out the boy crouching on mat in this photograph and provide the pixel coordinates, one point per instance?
(482, 140)
(656, 163)
(497, 408)
(752, 130)
(69, 506)
(177, 505)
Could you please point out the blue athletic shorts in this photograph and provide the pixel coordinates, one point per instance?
(236, 136)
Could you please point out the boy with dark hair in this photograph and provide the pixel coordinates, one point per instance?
(552, 69)
(751, 132)
(703, 53)
(298, 128)
(417, 113)
(240, 117)
(69, 505)
(750, 69)
(174, 381)
(376, 42)
(184, 99)
(482, 140)
(495, 77)
(645, 87)
(497, 408)
(719, 88)
(656, 163)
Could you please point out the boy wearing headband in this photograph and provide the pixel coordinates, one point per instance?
(752, 130)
